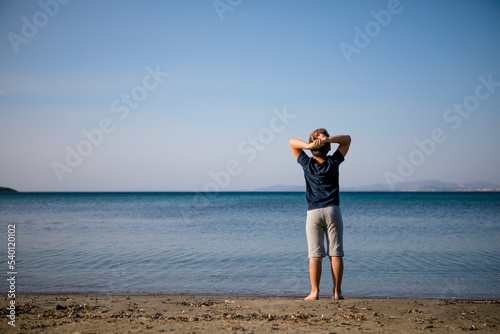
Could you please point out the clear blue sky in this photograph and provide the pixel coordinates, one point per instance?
(101, 67)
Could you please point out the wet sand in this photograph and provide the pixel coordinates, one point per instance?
(202, 314)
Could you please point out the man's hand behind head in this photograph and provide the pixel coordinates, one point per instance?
(318, 135)
(317, 143)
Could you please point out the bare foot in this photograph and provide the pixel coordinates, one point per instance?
(337, 294)
(312, 296)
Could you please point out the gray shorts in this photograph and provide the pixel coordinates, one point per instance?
(320, 222)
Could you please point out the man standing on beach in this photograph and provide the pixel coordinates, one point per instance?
(321, 173)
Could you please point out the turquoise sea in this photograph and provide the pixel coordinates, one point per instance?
(432, 245)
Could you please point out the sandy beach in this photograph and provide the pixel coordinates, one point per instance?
(206, 314)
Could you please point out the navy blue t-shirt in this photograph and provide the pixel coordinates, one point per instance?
(322, 180)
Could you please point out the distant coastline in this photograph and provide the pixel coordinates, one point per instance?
(7, 190)
(421, 186)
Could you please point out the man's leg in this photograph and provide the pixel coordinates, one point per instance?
(337, 272)
(315, 275)
(335, 247)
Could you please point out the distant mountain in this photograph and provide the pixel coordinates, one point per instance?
(7, 190)
(280, 187)
(428, 185)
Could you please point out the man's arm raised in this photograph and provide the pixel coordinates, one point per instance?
(298, 146)
(344, 142)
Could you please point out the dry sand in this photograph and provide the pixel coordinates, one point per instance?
(195, 314)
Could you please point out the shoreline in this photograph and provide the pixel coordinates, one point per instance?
(244, 295)
(83, 313)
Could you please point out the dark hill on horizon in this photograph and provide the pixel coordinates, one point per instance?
(7, 190)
